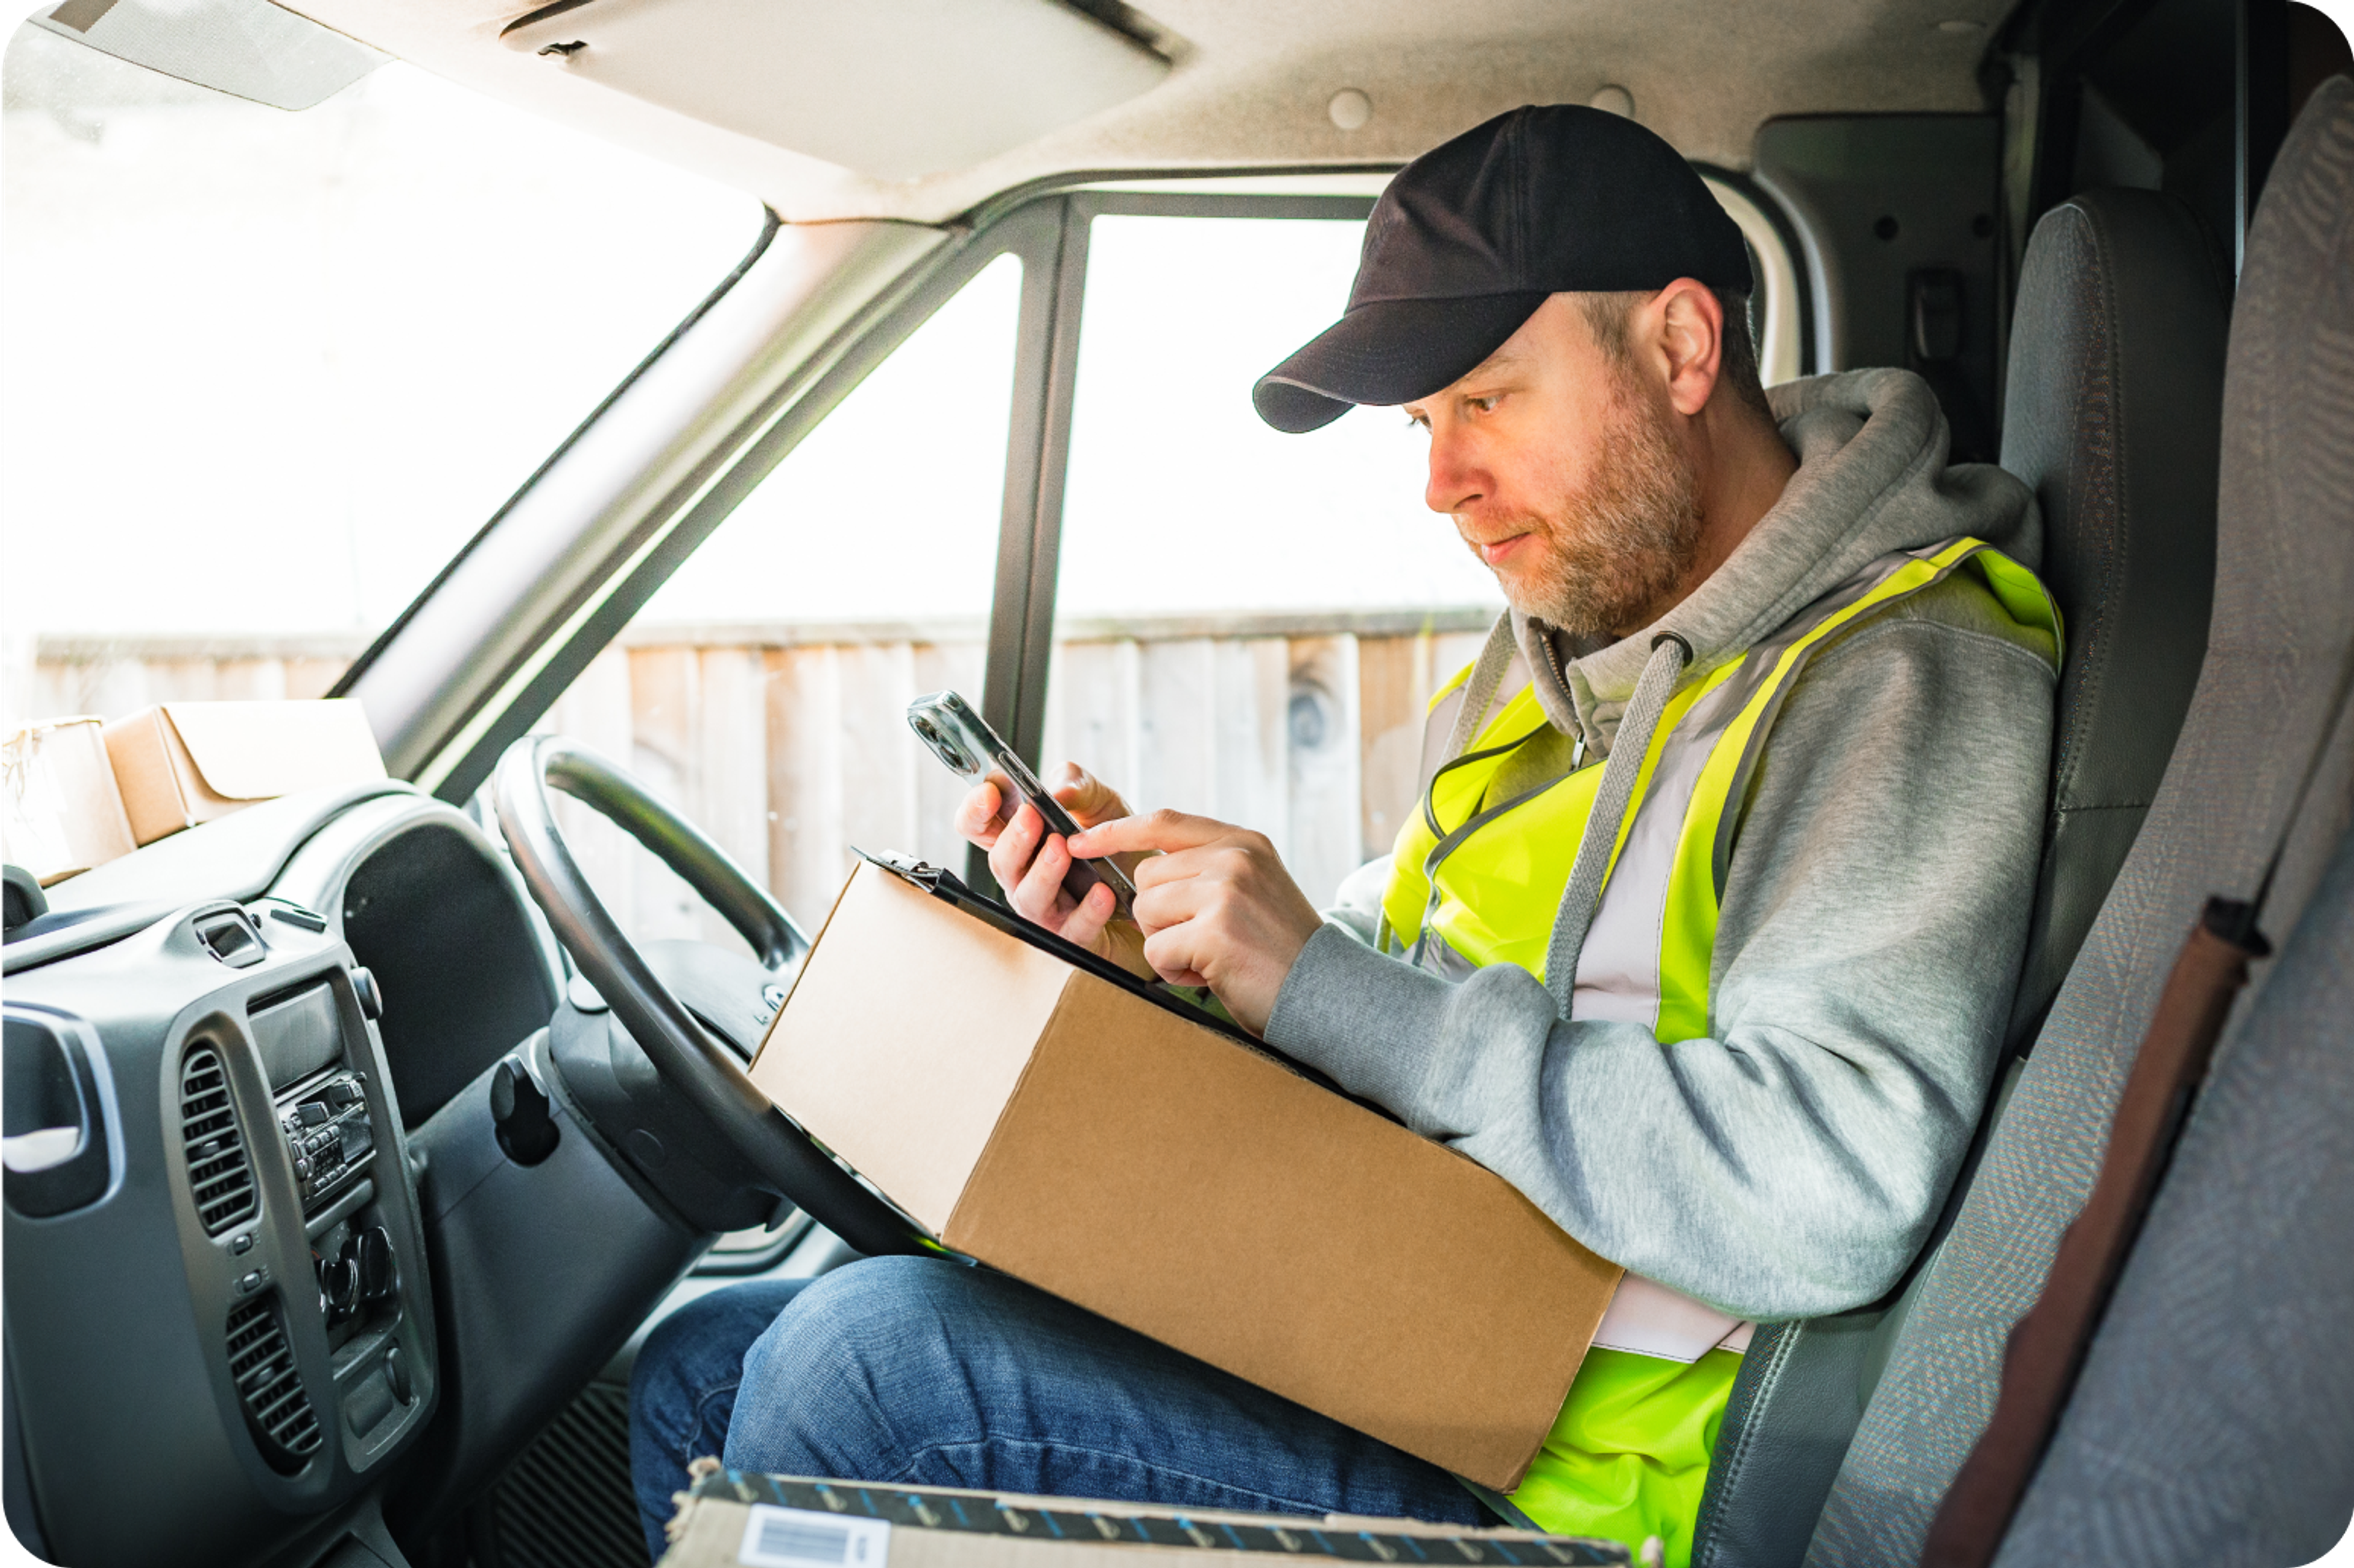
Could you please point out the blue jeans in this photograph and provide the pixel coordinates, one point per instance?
(914, 1370)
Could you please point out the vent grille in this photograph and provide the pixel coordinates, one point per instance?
(220, 1175)
(271, 1386)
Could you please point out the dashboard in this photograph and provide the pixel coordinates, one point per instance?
(275, 1290)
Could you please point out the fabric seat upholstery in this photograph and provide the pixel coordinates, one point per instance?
(2284, 619)
(2111, 412)
(2214, 1421)
(2112, 415)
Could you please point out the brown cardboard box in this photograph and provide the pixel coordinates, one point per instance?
(185, 763)
(1073, 1132)
(63, 813)
(783, 1522)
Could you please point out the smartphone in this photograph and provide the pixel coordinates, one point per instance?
(963, 739)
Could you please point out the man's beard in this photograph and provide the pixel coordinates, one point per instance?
(1620, 544)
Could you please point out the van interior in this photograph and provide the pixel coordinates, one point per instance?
(776, 362)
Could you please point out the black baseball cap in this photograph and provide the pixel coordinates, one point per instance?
(1474, 235)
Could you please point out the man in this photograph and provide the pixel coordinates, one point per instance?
(1703, 937)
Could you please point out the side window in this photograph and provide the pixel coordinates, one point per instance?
(1248, 624)
(762, 689)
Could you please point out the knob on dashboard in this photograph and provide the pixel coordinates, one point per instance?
(379, 1270)
(371, 996)
(520, 1113)
(339, 1286)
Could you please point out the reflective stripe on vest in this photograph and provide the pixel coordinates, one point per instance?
(1474, 882)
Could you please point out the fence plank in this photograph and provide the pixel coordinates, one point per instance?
(665, 717)
(1094, 719)
(1326, 839)
(804, 779)
(594, 710)
(731, 767)
(307, 679)
(1252, 784)
(878, 753)
(1176, 726)
(1392, 684)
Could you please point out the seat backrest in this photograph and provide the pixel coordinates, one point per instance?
(2214, 1420)
(2111, 410)
(2112, 413)
(2283, 620)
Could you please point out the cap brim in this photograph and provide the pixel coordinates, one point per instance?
(1388, 352)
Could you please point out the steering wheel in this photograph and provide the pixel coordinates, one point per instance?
(691, 1058)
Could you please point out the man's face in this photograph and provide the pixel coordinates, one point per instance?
(1560, 468)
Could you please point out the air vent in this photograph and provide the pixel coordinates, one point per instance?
(284, 1425)
(219, 1176)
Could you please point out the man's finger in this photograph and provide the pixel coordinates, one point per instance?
(1040, 896)
(1009, 857)
(976, 821)
(1087, 922)
(1088, 798)
(1171, 955)
(1167, 904)
(1163, 830)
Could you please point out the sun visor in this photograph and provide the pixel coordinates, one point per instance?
(250, 48)
(892, 89)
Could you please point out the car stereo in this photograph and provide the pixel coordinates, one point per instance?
(327, 1132)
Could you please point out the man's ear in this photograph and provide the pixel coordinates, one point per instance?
(1692, 341)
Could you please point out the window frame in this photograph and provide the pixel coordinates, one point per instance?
(1050, 231)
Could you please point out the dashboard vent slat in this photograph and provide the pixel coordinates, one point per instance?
(221, 1177)
(270, 1385)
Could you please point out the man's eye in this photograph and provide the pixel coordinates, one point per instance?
(1418, 421)
(1485, 404)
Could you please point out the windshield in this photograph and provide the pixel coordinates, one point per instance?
(261, 373)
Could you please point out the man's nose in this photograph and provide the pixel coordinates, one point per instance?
(1457, 479)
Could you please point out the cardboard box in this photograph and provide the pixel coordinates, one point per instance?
(780, 1522)
(1119, 1151)
(62, 811)
(185, 763)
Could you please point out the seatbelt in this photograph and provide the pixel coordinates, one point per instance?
(2047, 1347)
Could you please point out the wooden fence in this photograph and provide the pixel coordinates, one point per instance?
(787, 744)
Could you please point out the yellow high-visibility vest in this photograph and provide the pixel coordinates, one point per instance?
(1476, 881)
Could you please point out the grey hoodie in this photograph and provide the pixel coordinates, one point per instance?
(1870, 935)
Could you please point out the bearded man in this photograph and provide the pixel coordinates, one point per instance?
(1703, 937)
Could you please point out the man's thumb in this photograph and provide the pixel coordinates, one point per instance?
(1088, 798)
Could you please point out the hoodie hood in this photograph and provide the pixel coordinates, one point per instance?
(1872, 479)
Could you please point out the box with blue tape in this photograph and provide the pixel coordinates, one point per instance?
(732, 1519)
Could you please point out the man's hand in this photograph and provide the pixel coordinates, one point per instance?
(1030, 862)
(1216, 906)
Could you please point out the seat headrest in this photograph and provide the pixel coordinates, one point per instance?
(2112, 415)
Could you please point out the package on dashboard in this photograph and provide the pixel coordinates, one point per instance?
(181, 764)
(60, 810)
(731, 1520)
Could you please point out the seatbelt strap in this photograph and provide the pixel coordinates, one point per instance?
(2047, 1347)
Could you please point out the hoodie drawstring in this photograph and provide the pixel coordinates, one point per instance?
(1479, 686)
(1579, 900)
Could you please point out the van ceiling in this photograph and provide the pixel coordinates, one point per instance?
(1253, 84)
